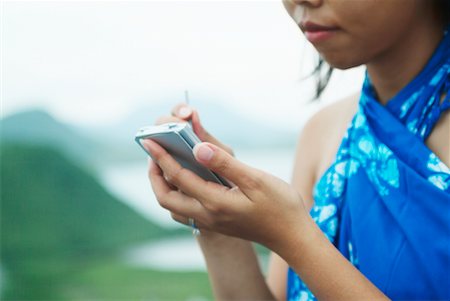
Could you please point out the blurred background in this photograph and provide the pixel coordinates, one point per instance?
(78, 218)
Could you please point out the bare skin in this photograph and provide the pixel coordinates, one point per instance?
(246, 210)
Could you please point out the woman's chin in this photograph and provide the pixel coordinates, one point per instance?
(343, 59)
(342, 63)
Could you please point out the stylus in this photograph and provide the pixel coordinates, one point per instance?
(186, 97)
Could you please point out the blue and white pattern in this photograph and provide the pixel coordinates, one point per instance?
(441, 176)
(383, 151)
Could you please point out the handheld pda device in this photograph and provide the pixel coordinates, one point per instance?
(178, 139)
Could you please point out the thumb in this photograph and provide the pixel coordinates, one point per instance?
(224, 164)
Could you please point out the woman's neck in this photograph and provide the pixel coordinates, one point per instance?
(394, 69)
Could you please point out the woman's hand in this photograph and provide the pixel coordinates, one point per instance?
(183, 113)
(260, 208)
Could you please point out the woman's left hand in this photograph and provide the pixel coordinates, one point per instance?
(260, 208)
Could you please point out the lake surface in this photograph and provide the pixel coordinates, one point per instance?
(173, 254)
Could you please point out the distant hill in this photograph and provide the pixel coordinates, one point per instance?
(230, 127)
(37, 127)
(54, 217)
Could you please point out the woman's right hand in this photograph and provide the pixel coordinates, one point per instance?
(184, 113)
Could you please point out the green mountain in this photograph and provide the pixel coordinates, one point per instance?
(36, 127)
(91, 147)
(55, 218)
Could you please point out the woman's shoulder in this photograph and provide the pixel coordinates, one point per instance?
(439, 139)
(332, 116)
(326, 129)
(319, 141)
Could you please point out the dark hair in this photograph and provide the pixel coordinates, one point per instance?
(444, 8)
(322, 73)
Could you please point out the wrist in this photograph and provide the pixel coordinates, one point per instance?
(296, 237)
(214, 238)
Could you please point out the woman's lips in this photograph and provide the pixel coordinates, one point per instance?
(316, 32)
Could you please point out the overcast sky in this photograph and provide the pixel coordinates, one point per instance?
(94, 62)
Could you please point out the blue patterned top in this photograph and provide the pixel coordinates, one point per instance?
(385, 201)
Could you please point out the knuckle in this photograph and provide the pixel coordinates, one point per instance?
(254, 181)
(164, 159)
(152, 168)
(223, 164)
(164, 156)
(173, 194)
(163, 201)
(175, 217)
(169, 200)
(175, 176)
(215, 209)
(177, 107)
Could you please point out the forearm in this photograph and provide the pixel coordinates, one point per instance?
(233, 268)
(328, 274)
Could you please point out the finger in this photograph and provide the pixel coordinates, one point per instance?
(188, 182)
(204, 135)
(182, 111)
(167, 119)
(221, 162)
(180, 218)
(157, 180)
(184, 220)
(153, 165)
(198, 128)
(173, 200)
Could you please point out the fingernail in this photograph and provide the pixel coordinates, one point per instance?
(203, 152)
(144, 143)
(147, 144)
(184, 112)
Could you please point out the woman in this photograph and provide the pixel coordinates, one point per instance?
(371, 171)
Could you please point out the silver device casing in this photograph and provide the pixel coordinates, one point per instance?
(178, 139)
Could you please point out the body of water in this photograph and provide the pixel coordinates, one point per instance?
(173, 254)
